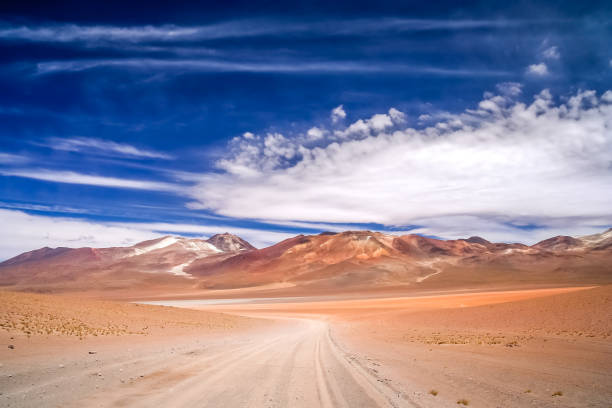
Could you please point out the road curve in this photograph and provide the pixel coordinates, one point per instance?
(296, 364)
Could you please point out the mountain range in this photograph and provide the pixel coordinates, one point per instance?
(323, 263)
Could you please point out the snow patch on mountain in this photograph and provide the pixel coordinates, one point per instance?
(162, 243)
(197, 245)
(596, 239)
(179, 270)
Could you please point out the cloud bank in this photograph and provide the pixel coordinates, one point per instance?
(24, 232)
(504, 166)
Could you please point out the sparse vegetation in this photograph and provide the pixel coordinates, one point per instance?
(463, 401)
(461, 338)
(45, 315)
(557, 394)
(433, 392)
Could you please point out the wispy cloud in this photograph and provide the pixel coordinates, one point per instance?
(551, 53)
(105, 34)
(211, 65)
(84, 144)
(70, 177)
(10, 158)
(42, 207)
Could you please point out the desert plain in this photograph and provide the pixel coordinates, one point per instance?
(544, 347)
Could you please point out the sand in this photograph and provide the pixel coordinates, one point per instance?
(517, 353)
(485, 349)
(56, 350)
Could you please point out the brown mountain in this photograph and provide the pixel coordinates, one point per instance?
(351, 260)
(157, 261)
(363, 260)
(228, 242)
(559, 243)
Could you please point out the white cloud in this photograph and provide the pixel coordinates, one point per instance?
(248, 135)
(502, 230)
(510, 88)
(42, 207)
(397, 116)
(23, 232)
(538, 69)
(380, 122)
(313, 225)
(315, 134)
(276, 145)
(10, 158)
(376, 124)
(282, 66)
(86, 144)
(504, 159)
(551, 53)
(99, 33)
(70, 177)
(338, 114)
(105, 34)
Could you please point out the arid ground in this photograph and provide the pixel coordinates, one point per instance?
(540, 347)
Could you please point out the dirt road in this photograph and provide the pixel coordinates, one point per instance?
(296, 363)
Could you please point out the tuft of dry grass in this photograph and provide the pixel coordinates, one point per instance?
(557, 394)
(463, 401)
(433, 392)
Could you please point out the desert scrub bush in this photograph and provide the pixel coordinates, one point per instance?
(433, 392)
(463, 401)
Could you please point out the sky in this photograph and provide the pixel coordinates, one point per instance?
(120, 124)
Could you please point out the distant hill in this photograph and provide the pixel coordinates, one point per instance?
(327, 262)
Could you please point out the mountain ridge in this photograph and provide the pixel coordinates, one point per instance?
(349, 259)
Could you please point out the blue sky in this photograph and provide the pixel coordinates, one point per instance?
(268, 121)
